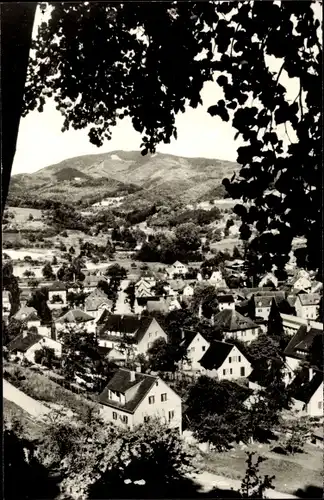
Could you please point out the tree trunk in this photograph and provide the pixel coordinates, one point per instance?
(16, 20)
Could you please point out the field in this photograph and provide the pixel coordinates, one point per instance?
(300, 471)
(22, 221)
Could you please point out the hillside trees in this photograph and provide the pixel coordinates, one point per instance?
(254, 51)
(47, 272)
(187, 237)
(10, 283)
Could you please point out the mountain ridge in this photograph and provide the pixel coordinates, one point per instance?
(88, 177)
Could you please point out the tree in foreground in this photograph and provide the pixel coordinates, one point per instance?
(255, 51)
(253, 485)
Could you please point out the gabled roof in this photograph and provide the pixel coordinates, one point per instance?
(304, 392)
(301, 341)
(96, 299)
(178, 263)
(177, 285)
(309, 299)
(93, 280)
(121, 382)
(57, 286)
(225, 299)
(22, 343)
(215, 355)
(161, 305)
(231, 321)
(189, 337)
(25, 313)
(75, 316)
(128, 324)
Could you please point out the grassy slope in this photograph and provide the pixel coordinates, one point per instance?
(189, 178)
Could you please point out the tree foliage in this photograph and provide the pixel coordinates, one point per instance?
(149, 77)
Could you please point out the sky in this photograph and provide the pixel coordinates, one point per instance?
(41, 143)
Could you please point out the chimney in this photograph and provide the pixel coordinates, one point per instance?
(311, 373)
(132, 376)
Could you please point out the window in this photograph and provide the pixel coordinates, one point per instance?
(320, 405)
(171, 415)
(114, 415)
(150, 334)
(192, 349)
(124, 419)
(146, 419)
(230, 359)
(259, 310)
(204, 348)
(239, 358)
(242, 371)
(156, 383)
(151, 400)
(224, 372)
(163, 397)
(231, 371)
(149, 344)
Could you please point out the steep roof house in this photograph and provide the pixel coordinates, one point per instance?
(141, 331)
(91, 282)
(308, 393)
(269, 278)
(76, 318)
(26, 344)
(236, 326)
(177, 269)
(163, 305)
(298, 349)
(307, 305)
(96, 302)
(196, 345)
(224, 361)
(292, 323)
(226, 301)
(132, 398)
(57, 294)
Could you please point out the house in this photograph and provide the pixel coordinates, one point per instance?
(217, 280)
(317, 286)
(163, 305)
(26, 344)
(143, 287)
(307, 305)
(6, 305)
(25, 296)
(132, 398)
(225, 302)
(112, 354)
(175, 287)
(57, 293)
(223, 360)
(75, 318)
(140, 330)
(269, 279)
(292, 323)
(301, 282)
(188, 291)
(317, 437)
(96, 303)
(196, 346)
(298, 349)
(308, 396)
(90, 283)
(236, 326)
(177, 269)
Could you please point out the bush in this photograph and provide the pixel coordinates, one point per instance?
(64, 234)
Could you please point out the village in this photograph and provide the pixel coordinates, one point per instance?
(127, 321)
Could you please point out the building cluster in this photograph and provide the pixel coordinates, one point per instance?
(131, 396)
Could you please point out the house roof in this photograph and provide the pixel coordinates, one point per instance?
(93, 280)
(121, 382)
(304, 392)
(178, 263)
(215, 355)
(96, 299)
(75, 316)
(129, 324)
(177, 285)
(309, 299)
(57, 286)
(301, 341)
(225, 299)
(22, 344)
(231, 321)
(161, 305)
(25, 313)
(189, 337)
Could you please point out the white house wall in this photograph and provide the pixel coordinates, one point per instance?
(195, 352)
(231, 370)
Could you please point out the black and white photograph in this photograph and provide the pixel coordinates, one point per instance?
(162, 249)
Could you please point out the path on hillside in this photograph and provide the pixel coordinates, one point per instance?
(208, 481)
(30, 405)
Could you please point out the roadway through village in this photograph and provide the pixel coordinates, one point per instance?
(206, 481)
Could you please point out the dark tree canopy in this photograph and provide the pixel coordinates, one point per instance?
(104, 61)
